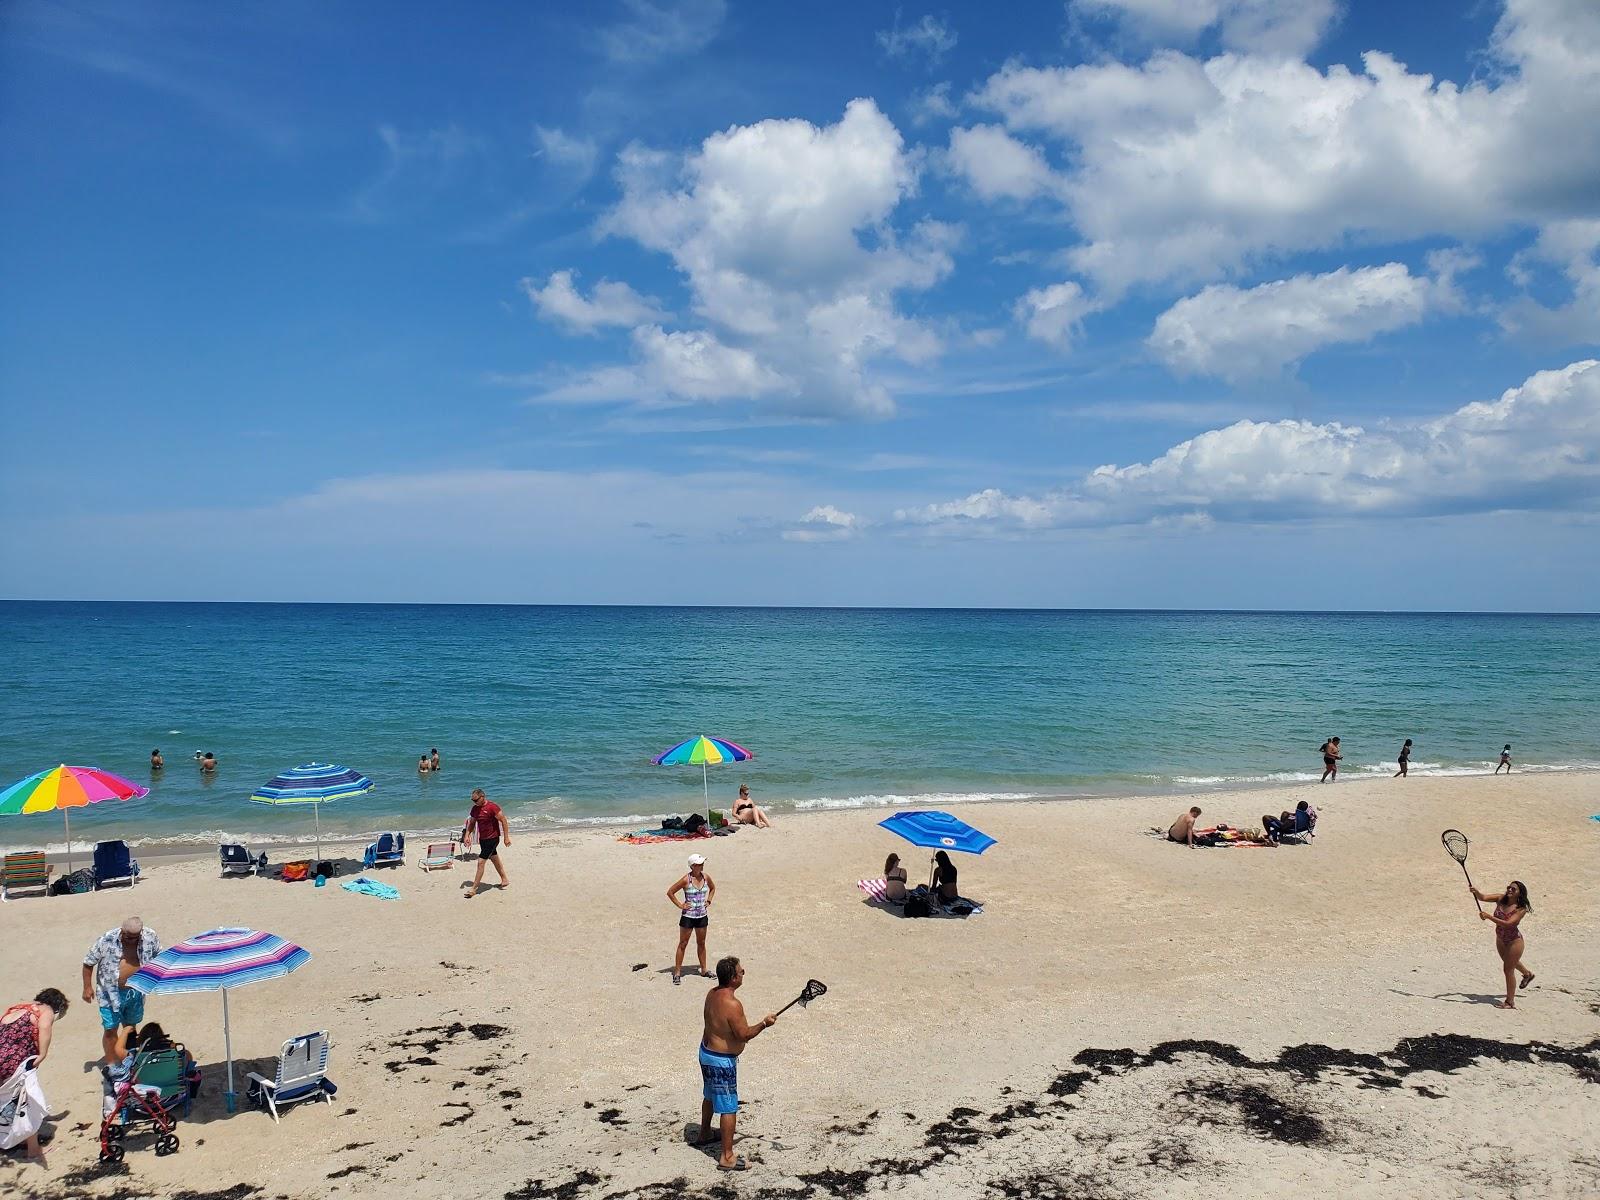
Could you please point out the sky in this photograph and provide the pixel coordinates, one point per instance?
(1110, 303)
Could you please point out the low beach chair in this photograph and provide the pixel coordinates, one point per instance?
(236, 860)
(441, 856)
(388, 851)
(26, 870)
(1302, 829)
(114, 864)
(302, 1075)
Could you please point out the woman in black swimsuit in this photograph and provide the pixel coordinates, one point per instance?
(746, 812)
(1405, 759)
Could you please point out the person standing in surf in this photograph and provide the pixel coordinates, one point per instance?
(1505, 760)
(1405, 759)
(1330, 760)
(1510, 906)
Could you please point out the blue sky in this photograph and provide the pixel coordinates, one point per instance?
(1169, 303)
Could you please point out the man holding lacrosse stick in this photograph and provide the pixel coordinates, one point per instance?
(725, 1037)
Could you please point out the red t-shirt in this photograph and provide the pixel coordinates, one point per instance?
(487, 818)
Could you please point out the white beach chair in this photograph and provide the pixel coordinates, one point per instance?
(302, 1075)
(440, 856)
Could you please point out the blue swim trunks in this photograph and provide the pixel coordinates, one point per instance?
(132, 1010)
(721, 1073)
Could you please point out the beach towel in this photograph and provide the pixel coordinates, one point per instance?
(643, 836)
(959, 907)
(371, 887)
(875, 890)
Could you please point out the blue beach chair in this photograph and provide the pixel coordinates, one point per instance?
(236, 860)
(388, 851)
(302, 1075)
(114, 864)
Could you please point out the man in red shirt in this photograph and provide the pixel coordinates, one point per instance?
(489, 823)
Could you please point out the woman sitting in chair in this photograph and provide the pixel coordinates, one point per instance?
(149, 1038)
(944, 877)
(894, 880)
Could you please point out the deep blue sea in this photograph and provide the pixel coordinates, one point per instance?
(556, 711)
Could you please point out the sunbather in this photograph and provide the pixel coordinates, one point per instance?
(1182, 831)
(746, 812)
(894, 880)
(130, 1044)
(944, 877)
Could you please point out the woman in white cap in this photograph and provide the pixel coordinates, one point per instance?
(693, 912)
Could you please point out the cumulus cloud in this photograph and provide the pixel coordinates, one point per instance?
(1289, 27)
(572, 154)
(1055, 314)
(783, 233)
(927, 36)
(1574, 248)
(997, 165)
(932, 104)
(1180, 169)
(610, 303)
(1535, 448)
(656, 29)
(824, 523)
(689, 366)
(1236, 333)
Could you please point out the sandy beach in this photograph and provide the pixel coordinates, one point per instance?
(1126, 1018)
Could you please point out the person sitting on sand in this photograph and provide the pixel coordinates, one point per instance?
(433, 759)
(894, 880)
(156, 761)
(1182, 831)
(944, 877)
(25, 1032)
(1510, 906)
(724, 1038)
(1505, 760)
(745, 811)
(423, 765)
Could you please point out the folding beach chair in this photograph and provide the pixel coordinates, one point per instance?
(388, 851)
(113, 864)
(302, 1075)
(236, 860)
(158, 1090)
(1302, 829)
(440, 856)
(25, 870)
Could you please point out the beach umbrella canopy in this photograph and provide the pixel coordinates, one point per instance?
(938, 831)
(315, 784)
(702, 751)
(216, 961)
(66, 788)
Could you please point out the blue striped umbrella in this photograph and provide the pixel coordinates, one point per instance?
(217, 960)
(315, 784)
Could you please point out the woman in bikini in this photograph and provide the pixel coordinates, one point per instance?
(746, 812)
(25, 1031)
(1510, 906)
(694, 913)
(894, 880)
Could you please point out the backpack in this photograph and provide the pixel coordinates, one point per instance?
(917, 906)
(672, 822)
(694, 823)
(74, 883)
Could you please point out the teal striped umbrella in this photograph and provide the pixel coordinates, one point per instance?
(315, 784)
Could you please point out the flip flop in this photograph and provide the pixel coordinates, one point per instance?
(739, 1164)
(677, 980)
(1526, 980)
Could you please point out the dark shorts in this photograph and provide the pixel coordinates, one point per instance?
(1330, 762)
(488, 847)
(693, 922)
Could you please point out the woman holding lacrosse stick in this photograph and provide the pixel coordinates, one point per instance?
(1510, 906)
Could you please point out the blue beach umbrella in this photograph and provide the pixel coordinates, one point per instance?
(938, 831)
(315, 784)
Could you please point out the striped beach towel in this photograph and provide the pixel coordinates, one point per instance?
(874, 889)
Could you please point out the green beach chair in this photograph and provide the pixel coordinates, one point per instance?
(26, 870)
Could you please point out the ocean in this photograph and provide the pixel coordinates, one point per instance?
(556, 711)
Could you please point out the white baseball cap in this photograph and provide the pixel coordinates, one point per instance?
(697, 860)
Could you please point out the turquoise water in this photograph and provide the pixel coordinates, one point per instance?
(556, 711)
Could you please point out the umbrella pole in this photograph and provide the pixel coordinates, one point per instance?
(705, 787)
(316, 811)
(230, 1097)
(68, 821)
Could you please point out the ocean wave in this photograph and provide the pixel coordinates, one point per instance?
(906, 800)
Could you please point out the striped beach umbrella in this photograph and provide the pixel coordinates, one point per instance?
(216, 961)
(315, 784)
(702, 751)
(66, 788)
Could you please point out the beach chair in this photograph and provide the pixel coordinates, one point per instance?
(114, 864)
(388, 851)
(302, 1075)
(236, 860)
(441, 856)
(25, 870)
(158, 1090)
(1302, 829)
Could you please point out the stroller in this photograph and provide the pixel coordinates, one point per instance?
(158, 1089)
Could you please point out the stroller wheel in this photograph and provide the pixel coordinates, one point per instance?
(115, 1133)
(111, 1154)
(166, 1144)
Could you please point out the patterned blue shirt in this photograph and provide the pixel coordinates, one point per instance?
(105, 956)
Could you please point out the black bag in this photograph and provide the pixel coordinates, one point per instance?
(917, 906)
(672, 822)
(694, 823)
(75, 883)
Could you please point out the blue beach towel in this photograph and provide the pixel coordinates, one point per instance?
(371, 887)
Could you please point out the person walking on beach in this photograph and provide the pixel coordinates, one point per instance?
(117, 954)
(1505, 760)
(1510, 906)
(1330, 760)
(25, 1031)
(488, 822)
(1405, 759)
(694, 912)
(724, 1039)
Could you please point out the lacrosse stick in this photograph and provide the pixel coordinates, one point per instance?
(813, 989)
(1455, 845)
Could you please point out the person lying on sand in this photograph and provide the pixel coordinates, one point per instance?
(725, 1037)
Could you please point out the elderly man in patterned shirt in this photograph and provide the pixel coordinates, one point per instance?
(116, 955)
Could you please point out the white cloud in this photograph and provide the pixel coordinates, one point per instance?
(572, 154)
(783, 233)
(1181, 169)
(928, 35)
(1574, 247)
(933, 104)
(610, 303)
(1535, 448)
(694, 365)
(997, 165)
(656, 29)
(1235, 333)
(1055, 314)
(824, 523)
(1290, 27)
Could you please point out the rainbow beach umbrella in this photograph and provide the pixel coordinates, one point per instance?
(315, 784)
(702, 751)
(216, 961)
(66, 788)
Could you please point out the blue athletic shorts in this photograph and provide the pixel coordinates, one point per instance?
(132, 1011)
(721, 1074)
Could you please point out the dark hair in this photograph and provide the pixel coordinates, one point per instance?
(943, 860)
(153, 1037)
(157, 750)
(1508, 745)
(1408, 741)
(1522, 892)
(1334, 740)
(725, 970)
(1302, 807)
(434, 750)
(54, 1000)
(1195, 811)
(890, 864)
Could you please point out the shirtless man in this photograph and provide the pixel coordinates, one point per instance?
(1183, 830)
(725, 1037)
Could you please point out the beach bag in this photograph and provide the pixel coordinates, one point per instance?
(325, 868)
(74, 883)
(31, 1108)
(917, 906)
(694, 823)
(295, 872)
(672, 822)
